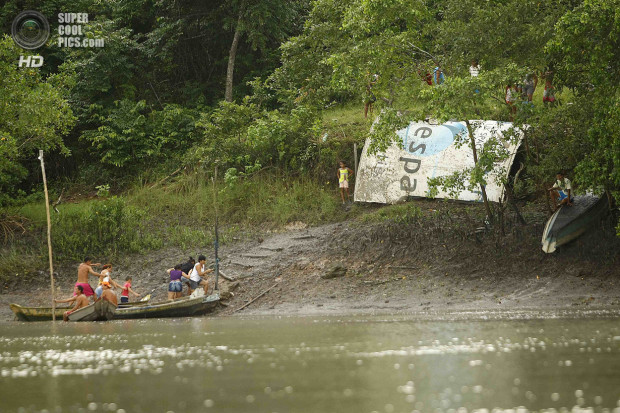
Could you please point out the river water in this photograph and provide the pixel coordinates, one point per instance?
(456, 362)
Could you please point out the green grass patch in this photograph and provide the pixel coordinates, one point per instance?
(396, 213)
(180, 214)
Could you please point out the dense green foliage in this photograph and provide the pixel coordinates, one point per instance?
(152, 102)
(34, 115)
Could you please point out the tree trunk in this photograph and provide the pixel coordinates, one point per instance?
(231, 59)
(487, 207)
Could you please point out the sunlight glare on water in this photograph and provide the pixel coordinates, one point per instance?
(493, 363)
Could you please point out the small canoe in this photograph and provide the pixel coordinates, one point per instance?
(570, 222)
(37, 313)
(101, 310)
(45, 313)
(183, 307)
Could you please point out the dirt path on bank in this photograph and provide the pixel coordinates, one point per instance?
(355, 268)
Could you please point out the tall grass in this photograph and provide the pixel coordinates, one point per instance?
(180, 214)
(266, 200)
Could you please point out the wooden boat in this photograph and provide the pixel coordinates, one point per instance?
(183, 307)
(569, 222)
(101, 310)
(45, 313)
(36, 313)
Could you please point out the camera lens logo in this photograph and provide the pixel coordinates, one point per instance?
(30, 29)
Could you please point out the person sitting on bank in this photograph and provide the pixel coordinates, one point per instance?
(79, 299)
(127, 289)
(175, 286)
(108, 295)
(561, 191)
(195, 276)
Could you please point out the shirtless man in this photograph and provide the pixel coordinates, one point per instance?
(79, 299)
(84, 269)
(107, 294)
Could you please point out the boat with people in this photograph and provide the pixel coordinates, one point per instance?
(183, 307)
(101, 310)
(23, 313)
(570, 222)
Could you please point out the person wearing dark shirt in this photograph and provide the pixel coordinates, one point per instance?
(186, 268)
(175, 287)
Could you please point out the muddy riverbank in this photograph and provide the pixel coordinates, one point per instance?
(438, 260)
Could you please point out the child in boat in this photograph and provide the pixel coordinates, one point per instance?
(127, 289)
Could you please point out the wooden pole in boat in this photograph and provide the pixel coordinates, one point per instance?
(49, 233)
(217, 237)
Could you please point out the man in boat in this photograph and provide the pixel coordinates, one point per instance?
(84, 269)
(80, 301)
(107, 294)
(561, 191)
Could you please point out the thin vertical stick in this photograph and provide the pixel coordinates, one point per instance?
(217, 236)
(49, 233)
(355, 157)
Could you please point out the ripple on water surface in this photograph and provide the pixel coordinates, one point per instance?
(518, 363)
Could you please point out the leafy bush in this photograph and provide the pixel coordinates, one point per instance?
(132, 133)
(107, 228)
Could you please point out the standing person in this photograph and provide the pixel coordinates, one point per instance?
(511, 98)
(369, 97)
(79, 299)
(438, 77)
(561, 190)
(175, 286)
(84, 269)
(127, 289)
(343, 179)
(474, 69)
(106, 276)
(529, 86)
(426, 76)
(549, 92)
(195, 276)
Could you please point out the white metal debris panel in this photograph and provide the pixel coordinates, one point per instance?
(425, 151)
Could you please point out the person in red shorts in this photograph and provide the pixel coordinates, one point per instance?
(85, 269)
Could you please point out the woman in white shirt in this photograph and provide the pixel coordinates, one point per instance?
(195, 276)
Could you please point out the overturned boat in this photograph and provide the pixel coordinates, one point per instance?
(570, 222)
